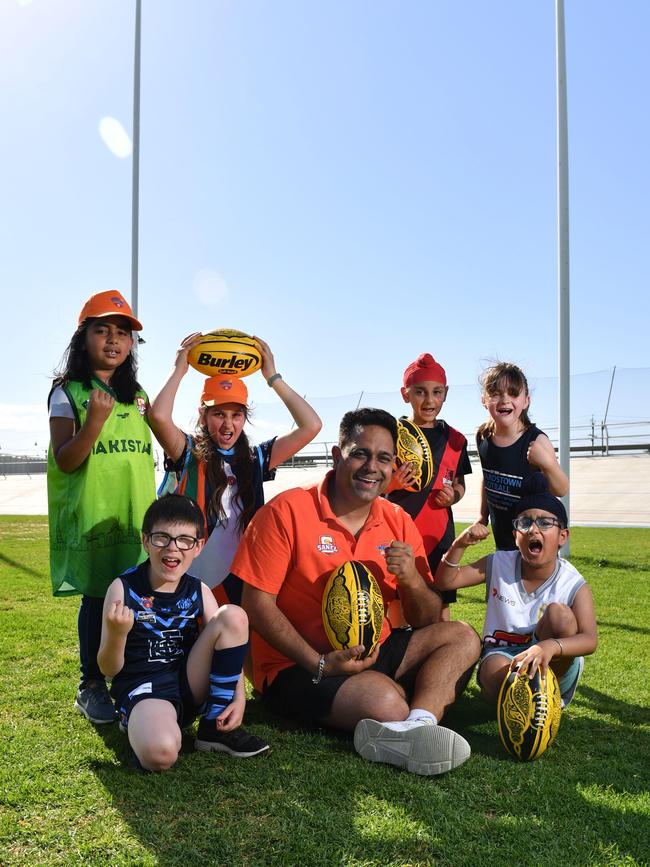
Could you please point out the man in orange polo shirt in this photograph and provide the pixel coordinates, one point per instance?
(394, 698)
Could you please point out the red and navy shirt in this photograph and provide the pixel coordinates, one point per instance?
(450, 459)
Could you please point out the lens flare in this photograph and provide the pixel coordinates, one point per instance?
(115, 137)
(210, 288)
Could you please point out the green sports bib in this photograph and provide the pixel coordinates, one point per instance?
(95, 513)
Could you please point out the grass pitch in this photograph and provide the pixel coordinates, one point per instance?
(71, 796)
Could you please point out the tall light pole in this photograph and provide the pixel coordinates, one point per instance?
(564, 310)
(135, 183)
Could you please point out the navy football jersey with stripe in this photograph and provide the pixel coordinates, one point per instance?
(165, 627)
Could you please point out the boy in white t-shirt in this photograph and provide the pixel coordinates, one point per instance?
(540, 610)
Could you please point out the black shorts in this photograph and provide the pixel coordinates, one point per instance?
(293, 694)
(448, 596)
(172, 686)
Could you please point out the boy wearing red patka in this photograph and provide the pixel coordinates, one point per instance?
(425, 388)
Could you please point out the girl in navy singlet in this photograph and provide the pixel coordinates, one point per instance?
(511, 448)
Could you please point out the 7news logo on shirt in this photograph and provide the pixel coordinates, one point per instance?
(501, 597)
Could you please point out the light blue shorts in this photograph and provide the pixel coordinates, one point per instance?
(566, 681)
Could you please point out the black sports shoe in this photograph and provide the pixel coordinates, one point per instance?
(238, 743)
(94, 702)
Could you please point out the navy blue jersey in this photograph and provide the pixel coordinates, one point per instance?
(165, 627)
(505, 468)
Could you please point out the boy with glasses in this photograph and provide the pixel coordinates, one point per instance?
(540, 610)
(171, 652)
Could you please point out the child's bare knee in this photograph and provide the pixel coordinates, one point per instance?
(158, 762)
(161, 754)
(490, 676)
(231, 622)
(560, 619)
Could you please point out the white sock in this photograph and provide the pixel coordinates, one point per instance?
(412, 721)
(422, 714)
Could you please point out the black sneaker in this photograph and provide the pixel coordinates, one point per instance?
(94, 702)
(238, 743)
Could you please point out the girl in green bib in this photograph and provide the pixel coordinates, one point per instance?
(100, 475)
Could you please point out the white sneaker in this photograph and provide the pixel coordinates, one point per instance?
(421, 746)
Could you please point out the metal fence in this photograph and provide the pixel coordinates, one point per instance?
(609, 413)
(17, 465)
(586, 440)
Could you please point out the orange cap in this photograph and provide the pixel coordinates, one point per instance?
(109, 303)
(224, 389)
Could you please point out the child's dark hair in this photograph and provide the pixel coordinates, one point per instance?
(363, 418)
(535, 494)
(206, 451)
(75, 367)
(503, 376)
(174, 509)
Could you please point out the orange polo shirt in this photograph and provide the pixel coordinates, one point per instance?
(290, 549)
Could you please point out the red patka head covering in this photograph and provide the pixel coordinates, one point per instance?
(424, 369)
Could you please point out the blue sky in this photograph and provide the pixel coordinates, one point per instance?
(357, 182)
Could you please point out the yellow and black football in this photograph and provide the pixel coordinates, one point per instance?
(528, 713)
(413, 448)
(353, 607)
(226, 351)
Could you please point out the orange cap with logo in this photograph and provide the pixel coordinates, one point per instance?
(224, 389)
(109, 303)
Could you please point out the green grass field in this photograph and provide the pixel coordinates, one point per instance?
(71, 796)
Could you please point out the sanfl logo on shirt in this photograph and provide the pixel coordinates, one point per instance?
(327, 545)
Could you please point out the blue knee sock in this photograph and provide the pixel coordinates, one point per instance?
(224, 673)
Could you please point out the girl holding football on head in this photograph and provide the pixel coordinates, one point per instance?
(100, 475)
(511, 449)
(217, 466)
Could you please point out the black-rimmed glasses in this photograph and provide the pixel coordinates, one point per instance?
(524, 523)
(162, 540)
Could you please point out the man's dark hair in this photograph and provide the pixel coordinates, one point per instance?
(174, 509)
(364, 417)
